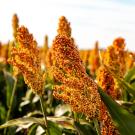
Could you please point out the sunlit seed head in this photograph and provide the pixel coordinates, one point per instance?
(74, 86)
(25, 58)
(64, 27)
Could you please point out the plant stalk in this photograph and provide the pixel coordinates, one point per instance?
(97, 126)
(43, 107)
(11, 104)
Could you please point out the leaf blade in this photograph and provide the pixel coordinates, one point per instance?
(122, 119)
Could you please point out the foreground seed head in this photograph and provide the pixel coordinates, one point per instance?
(76, 89)
(25, 58)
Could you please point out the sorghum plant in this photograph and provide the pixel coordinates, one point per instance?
(77, 88)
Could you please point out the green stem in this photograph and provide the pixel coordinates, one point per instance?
(75, 116)
(43, 107)
(11, 104)
(75, 120)
(97, 126)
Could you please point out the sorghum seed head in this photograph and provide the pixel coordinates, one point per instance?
(25, 58)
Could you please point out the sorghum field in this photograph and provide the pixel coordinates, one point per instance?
(61, 90)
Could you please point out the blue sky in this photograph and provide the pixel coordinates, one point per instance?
(91, 20)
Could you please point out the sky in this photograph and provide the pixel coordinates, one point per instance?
(91, 20)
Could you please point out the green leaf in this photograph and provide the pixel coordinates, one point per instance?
(68, 131)
(54, 129)
(2, 113)
(62, 109)
(97, 127)
(84, 129)
(32, 130)
(9, 86)
(122, 82)
(123, 120)
(11, 131)
(132, 83)
(22, 121)
(2, 82)
(65, 122)
(130, 74)
(127, 86)
(49, 86)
